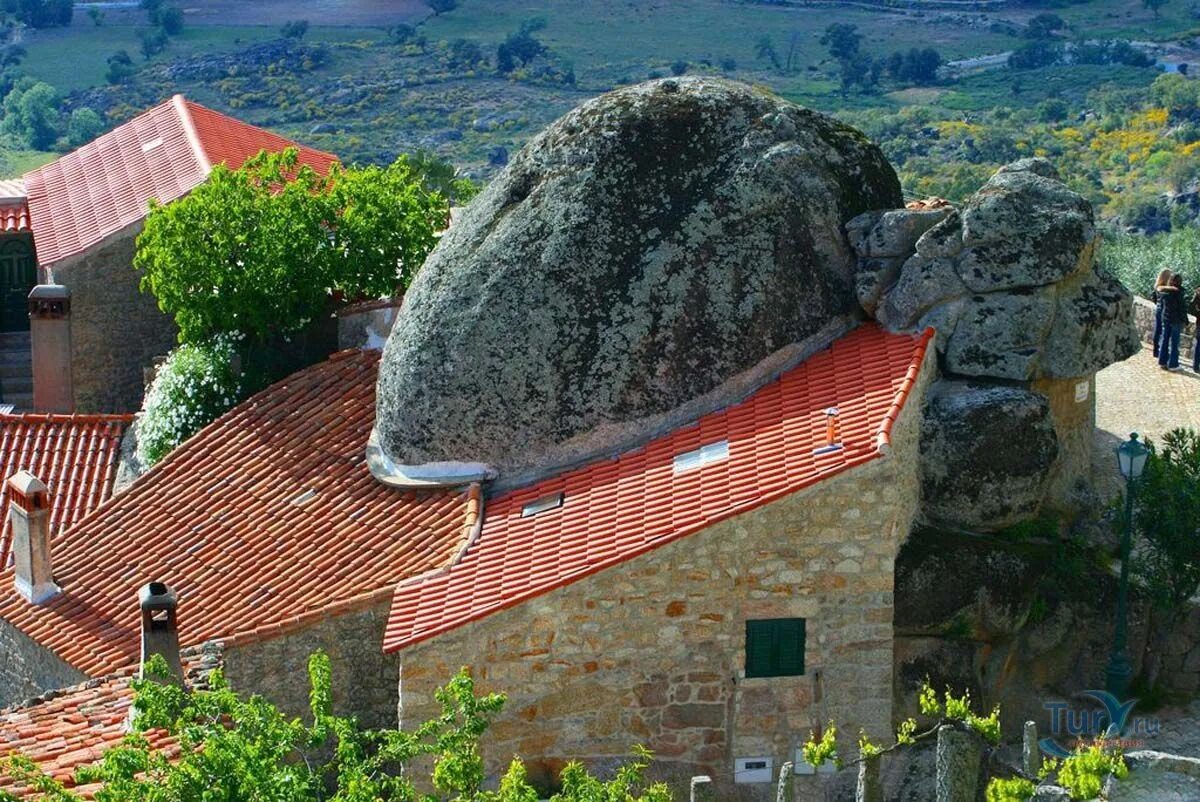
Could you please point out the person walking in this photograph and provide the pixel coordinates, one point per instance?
(1174, 322)
(1163, 280)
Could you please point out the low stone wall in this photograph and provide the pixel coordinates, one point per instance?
(28, 669)
(116, 330)
(364, 678)
(1143, 318)
(652, 651)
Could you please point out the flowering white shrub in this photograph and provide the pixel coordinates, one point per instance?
(193, 387)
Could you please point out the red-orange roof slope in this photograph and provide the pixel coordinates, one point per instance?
(75, 455)
(163, 153)
(267, 515)
(613, 510)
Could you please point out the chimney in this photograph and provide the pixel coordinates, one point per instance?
(160, 631)
(50, 336)
(29, 516)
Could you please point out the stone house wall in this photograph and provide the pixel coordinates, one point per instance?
(364, 678)
(116, 330)
(28, 669)
(652, 651)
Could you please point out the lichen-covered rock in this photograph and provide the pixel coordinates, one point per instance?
(925, 282)
(1093, 327)
(893, 232)
(1001, 335)
(986, 452)
(874, 277)
(1022, 230)
(651, 255)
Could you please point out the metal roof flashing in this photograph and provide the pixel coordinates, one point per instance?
(424, 476)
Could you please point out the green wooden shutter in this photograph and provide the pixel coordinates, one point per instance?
(775, 647)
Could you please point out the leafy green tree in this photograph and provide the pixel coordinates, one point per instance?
(83, 126)
(1166, 503)
(43, 13)
(245, 749)
(97, 16)
(120, 68)
(465, 54)
(152, 9)
(153, 42)
(295, 29)
(843, 40)
(171, 20)
(1044, 26)
(679, 67)
(1038, 53)
(31, 114)
(260, 250)
(520, 48)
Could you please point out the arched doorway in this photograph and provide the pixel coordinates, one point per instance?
(18, 275)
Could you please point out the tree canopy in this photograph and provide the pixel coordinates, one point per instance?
(261, 250)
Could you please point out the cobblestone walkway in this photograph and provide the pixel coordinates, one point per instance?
(1138, 396)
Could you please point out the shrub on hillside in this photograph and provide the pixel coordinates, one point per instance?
(193, 387)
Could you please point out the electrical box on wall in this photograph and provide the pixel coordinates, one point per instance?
(753, 770)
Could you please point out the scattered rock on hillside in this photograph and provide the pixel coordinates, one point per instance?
(634, 266)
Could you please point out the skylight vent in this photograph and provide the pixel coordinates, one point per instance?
(152, 144)
(543, 504)
(305, 497)
(705, 455)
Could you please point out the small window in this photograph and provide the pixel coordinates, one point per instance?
(543, 504)
(705, 455)
(775, 647)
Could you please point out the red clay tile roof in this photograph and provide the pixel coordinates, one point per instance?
(14, 217)
(75, 455)
(71, 728)
(614, 510)
(267, 516)
(163, 153)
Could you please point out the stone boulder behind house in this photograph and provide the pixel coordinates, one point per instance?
(1009, 282)
(654, 254)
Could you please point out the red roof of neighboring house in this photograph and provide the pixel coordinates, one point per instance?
(266, 517)
(14, 217)
(75, 455)
(614, 510)
(71, 728)
(163, 153)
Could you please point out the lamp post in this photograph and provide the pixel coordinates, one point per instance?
(1131, 457)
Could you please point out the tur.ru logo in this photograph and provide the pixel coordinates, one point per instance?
(1113, 720)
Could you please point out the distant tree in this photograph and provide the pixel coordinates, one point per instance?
(152, 9)
(402, 34)
(679, 67)
(83, 126)
(271, 241)
(843, 40)
(855, 70)
(12, 55)
(1044, 26)
(1052, 110)
(1038, 53)
(31, 114)
(97, 16)
(42, 13)
(1154, 5)
(728, 64)
(465, 54)
(765, 48)
(120, 68)
(154, 41)
(171, 20)
(918, 65)
(519, 48)
(441, 6)
(295, 29)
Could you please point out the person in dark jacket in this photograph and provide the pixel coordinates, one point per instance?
(1163, 280)
(1174, 322)
(1194, 308)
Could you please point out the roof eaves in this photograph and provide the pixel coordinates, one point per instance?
(883, 440)
(189, 130)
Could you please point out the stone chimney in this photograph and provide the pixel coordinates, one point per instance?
(160, 630)
(29, 515)
(50, 335)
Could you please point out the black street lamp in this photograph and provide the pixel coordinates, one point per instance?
(1131, 456)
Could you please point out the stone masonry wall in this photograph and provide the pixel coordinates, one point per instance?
(652, 651)
(116, 330)
(364, 678)
(28, 669)
(1143, 318)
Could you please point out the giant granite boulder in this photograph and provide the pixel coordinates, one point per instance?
(654, 254)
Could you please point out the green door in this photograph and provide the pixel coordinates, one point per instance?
(18, 275)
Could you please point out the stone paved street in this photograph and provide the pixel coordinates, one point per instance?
(1138, 396)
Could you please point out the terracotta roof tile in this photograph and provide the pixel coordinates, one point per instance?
(255, 522)
(71, 728)
(614, 510)
(75, 455)
(163, 153)
(14, 217)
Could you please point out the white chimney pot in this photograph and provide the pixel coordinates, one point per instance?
(29, 516)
